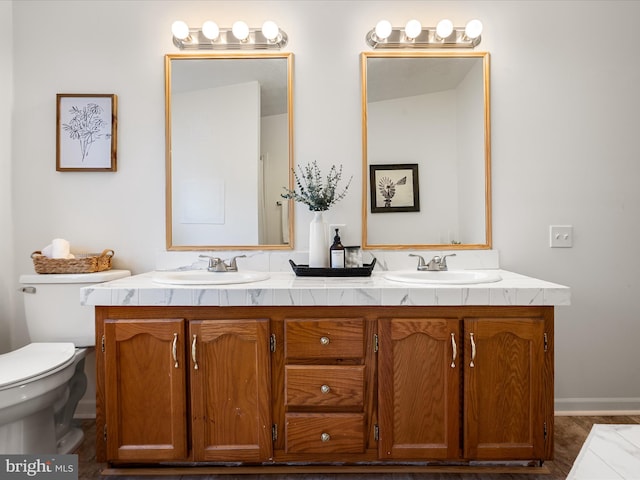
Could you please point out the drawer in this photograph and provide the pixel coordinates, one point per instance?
(325, 433)
(324, 386)
(324, 339)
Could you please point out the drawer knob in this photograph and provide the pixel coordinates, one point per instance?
(325, 437)
(325, 388)
(324, 340)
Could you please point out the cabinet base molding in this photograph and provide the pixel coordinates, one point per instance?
(328, 469)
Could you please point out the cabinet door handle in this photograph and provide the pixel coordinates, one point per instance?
(325, 437)
(455, 350)
(174, 350)
(324, 340)
(325, 388)
(193, 353)
(473, 350)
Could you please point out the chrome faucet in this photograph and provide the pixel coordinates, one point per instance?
(216, 264)
(436, 264)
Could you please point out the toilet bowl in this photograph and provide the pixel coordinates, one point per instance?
(42, 382)
(33, 380)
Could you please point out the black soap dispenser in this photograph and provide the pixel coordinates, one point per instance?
(336, 252)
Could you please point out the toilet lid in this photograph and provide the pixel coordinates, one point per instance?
(33, 360)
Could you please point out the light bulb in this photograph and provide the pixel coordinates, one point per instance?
(473, 29)
(180, 29)
(240, 30)
(444, 28)
(270, 30)
(210, 30)
(383, 29)
(412, 29)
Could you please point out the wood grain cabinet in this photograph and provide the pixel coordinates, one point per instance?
(324, 385)
(492, 374)
(171, 384)
(144, 390)
(230, 390)
(508, 387)
(324, 397)
(419, 388)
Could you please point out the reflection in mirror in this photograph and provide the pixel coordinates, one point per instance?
(428, 112)
(229, 151)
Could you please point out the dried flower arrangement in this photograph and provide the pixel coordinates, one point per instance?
(319, 195)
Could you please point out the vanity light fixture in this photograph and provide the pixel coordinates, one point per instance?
(444, 28)
(383, 29)
(473, 28)
(240, 30)
(414, 35)
(210, 30)
(412, 29)
(270, 30)
(240, 36)
(180, 29)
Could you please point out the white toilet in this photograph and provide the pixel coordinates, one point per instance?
(42, 383)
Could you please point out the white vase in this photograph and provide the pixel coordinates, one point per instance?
(318, 247)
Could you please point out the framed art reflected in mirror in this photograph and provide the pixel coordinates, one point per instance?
(394, 188)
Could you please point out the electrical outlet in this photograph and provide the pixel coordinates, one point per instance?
(342, 227)
(561, 236)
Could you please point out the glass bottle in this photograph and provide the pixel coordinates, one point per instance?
(336, 252)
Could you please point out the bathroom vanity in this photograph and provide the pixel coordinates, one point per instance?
(325, 374)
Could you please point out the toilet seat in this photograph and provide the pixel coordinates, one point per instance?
(34, 360)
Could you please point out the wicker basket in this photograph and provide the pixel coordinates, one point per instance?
(83, 263)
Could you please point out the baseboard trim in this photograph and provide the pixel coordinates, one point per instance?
(596, 406)
(287, 471)
(598, 413)
(86, 409)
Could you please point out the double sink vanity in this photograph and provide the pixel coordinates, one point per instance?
(262, 370)
(324, 373)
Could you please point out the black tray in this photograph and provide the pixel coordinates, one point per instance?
(306, 271)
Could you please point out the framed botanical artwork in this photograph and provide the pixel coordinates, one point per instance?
(86, 132)
(394, 188)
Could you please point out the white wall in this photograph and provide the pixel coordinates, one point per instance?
(275, 150)
(7, 296)
(471, 157)
(215, 184)
(429, 141)
(564, 144)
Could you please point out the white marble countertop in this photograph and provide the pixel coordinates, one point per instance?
(285, 289)
(610, 452)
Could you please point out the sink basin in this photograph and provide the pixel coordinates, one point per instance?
(203, 277)
(450, 277)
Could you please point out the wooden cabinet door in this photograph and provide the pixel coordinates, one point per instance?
(505, 376)
(419, 388)
(145, 390)
(230, 390)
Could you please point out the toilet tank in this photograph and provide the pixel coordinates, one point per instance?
(52, 306)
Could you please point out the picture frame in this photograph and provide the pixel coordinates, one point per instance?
(86, 132)
(394, 188)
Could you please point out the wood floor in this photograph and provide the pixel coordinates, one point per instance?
(570, 434)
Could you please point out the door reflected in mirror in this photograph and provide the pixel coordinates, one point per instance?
(431, 111)
(229, 125)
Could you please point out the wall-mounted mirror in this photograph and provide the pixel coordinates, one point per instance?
(426, 150)
(229, 151)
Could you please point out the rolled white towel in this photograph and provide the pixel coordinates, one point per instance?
(46, 251)
(60, 248)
